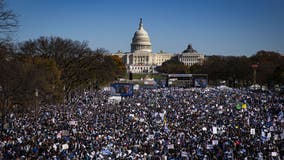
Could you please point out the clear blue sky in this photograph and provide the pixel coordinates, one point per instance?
(224, 27)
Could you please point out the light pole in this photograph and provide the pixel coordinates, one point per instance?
(90, 87)
(3, 108)
(36, 99)
(254, 67)
(64, 109)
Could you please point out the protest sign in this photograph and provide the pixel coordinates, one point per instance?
(214, 130)
(274, 154)
(73, 123)
(238, 106)
(252, 131)
(214, 142)
(171, 146)
(65, 146)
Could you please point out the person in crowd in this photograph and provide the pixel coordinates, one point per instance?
(161, 123)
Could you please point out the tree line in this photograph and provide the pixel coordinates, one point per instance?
(236, 70)
(48, 68)
(55, 67)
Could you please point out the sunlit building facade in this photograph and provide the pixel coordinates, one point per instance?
(141, 59)
(190, 56)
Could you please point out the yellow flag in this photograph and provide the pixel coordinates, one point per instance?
(244, 106)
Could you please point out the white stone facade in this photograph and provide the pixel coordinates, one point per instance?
(160, 58)
(141, 68)
(190, 57)
(141, 59)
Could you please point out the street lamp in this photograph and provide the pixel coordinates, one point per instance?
(90, 86)
(2, 106)
(64, 109)
(1, 89)
(254, 67)
(36, 99)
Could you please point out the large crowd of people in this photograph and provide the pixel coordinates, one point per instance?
(160, 123)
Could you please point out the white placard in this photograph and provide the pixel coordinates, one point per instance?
(268, 135)
(65, 146)
(262, 134)
(276, 137)
(171, 146)
(209, 146)
(214, 130)
(54, 147)
(19, 140)
(252, 131)
(282, 136)
(151, 136)
(73, 123)
(274, 154)
(214, 142)
(58, 135)
(53, 120)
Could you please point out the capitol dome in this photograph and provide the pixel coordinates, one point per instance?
(141, 40)
(189, 49)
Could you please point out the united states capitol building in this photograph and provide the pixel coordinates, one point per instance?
(141, 59)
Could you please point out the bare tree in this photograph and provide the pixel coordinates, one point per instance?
(8, 19)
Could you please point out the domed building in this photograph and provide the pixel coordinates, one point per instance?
(190, 56)
(141, 40)
(141, 59)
